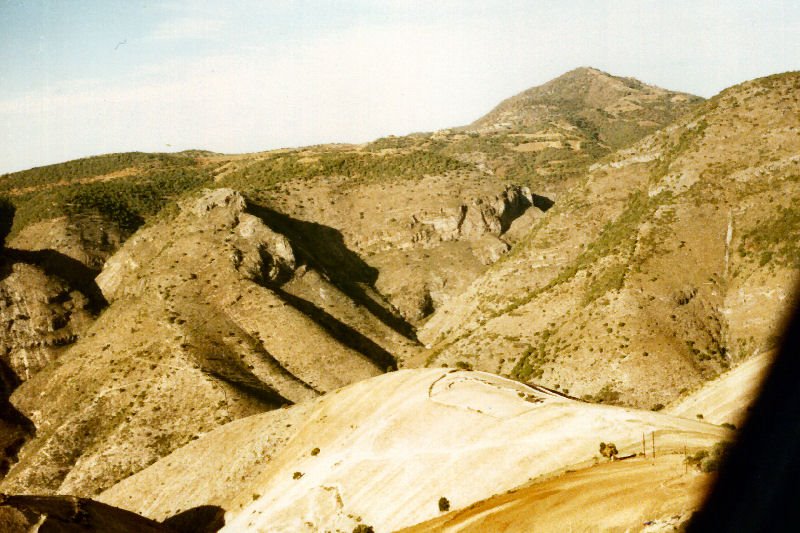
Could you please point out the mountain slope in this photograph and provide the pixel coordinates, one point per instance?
(383, 451)
(671, 260)
(399, 202)
(207, 323)
(638, 494)
(234, 285)
(727, 398)
(569, 122)
(47, 302)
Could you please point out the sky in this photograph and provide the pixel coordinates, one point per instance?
(82, 78)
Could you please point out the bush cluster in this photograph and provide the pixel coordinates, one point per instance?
(709, 460)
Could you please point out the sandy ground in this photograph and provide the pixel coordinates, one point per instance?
(727, 398)
(382, 451)
(632, 495)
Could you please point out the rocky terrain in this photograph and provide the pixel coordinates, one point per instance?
(670, 262)
(206, 329)
(202, 338)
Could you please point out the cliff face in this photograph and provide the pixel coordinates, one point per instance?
(425, 239)
(41, 315)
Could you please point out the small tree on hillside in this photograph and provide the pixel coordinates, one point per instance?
(444, 504)
(608, 450)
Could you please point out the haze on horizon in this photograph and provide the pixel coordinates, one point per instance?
(92, 77)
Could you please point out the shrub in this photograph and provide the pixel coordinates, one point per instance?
(362, 528)
(608, 450)
(709, 460)
(607, 395)
(444, 504)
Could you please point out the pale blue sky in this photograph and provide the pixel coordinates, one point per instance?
(84, 78)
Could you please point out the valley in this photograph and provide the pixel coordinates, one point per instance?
(337, 337)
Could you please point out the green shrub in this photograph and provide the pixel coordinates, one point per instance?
(258, 178)
(776, 240)
(128, 200)
(607, 394)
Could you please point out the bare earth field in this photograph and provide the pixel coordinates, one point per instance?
(633, 495)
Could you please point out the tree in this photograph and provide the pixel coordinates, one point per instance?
(444, 504)
(608, 450)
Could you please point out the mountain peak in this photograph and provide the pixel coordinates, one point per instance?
(600, 107)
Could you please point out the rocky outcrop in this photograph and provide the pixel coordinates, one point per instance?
(480, 216)
(41, 315)
(251, 248)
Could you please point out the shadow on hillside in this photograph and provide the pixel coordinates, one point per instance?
(201, 519)
(542, 202)
(341, 331)
(56, 264)
(15, 428)
(62, 514)
(323, 248)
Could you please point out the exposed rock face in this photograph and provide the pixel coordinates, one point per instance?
(256, 252)
(41, 314)
(427, 239)
(210, 319)
(479, 217)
